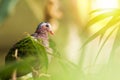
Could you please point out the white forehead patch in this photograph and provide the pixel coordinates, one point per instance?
(44, 24)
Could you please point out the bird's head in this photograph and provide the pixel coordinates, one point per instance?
(44, 27)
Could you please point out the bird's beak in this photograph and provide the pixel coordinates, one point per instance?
(51, 32)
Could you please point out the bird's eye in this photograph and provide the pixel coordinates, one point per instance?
(47, 25)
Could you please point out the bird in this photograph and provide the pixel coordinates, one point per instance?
(30, 54)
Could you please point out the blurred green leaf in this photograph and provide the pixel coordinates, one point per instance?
(6, 7)
(112, 22)
(103, 44)
(116, 44)
(22, 66)
(104, 10)
(101, 16)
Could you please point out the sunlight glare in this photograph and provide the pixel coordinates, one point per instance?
(102, 4)
(105, 4)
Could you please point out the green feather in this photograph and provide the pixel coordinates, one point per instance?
(32, 54)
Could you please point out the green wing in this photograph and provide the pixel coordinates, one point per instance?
(29, 49)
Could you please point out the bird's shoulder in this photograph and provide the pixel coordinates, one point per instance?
(29, 43)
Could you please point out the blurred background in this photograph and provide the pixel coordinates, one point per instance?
(90, 50)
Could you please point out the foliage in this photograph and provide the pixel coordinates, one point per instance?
(6, 7)
(113, 24)
(61, 68)
(110, 28)
(35, 55)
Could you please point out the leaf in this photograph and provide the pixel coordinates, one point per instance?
(6, 7)
(101, 17)
(101, 47)
(22, 66)
(102, 31)
(104, 10)
(52, 45)
(116, 45)
(29, 47)
(41, 52)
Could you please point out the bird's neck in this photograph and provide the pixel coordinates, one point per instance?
(43, 37)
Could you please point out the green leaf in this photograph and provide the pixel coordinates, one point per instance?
(116, 44)
(102, 31)
(104, 10)
(102, 16)
(6, 7)
(28, 47)
(101, 47)
(22, 66)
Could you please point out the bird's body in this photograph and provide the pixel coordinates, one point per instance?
(33, 49)
(28, 47)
